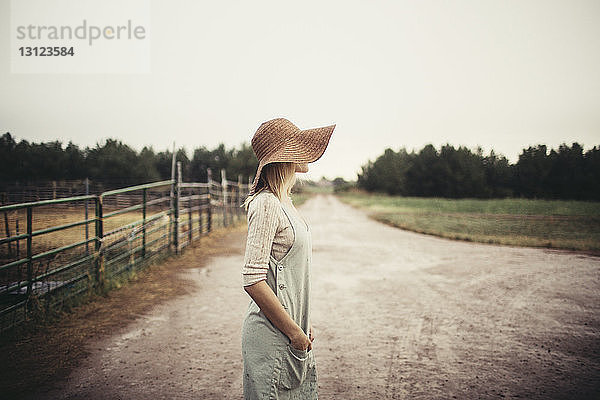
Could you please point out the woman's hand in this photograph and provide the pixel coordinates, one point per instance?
(311, 335)
(300, 341)
(270, 305)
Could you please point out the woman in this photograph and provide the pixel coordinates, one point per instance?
(277, 334)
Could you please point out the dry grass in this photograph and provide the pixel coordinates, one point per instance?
(47, 218)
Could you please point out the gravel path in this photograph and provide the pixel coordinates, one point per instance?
(396, 315)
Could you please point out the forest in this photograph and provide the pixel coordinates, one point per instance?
(565, 173)
(116, 163)
(568, 172)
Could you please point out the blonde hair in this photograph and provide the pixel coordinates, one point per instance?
(278, 177)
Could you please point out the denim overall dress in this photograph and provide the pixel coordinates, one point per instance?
(273, 369)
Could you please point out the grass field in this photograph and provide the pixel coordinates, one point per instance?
(299, 198)
(561, 224)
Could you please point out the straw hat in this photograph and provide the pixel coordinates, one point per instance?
(279, 140)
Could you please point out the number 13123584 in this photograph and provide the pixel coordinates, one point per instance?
(46, 51)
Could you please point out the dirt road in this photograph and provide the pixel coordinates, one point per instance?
(396, 315)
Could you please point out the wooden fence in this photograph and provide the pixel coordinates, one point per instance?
(56, 250)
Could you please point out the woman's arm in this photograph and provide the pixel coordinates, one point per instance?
(270, 305)
(263, 221)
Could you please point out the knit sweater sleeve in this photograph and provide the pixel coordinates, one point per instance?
(262, 227)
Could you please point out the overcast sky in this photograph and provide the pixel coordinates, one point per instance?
(499, 74)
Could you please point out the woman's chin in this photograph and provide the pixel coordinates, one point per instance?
(302, 168)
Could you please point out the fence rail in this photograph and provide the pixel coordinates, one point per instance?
(73, 250)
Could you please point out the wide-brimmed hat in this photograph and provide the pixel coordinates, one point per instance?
(279, 140)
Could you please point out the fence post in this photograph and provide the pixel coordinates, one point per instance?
(144, 200)
(190, 225)
(87, 234)
(209, 172)
(224, 194)
(171, 198)
(239, 196)
(6, 225)
(199, 213)
(176, 203)
(17, 233)
(99, 235)
(29, 252)
(248, 187)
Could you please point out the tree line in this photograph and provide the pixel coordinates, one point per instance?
(565, 173)
(116, 163)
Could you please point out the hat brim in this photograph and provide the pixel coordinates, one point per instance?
(303, 147)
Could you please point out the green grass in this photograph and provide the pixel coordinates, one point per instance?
(563, 224)
(299, 198)
(303, 191)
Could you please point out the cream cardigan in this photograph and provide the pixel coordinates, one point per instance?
(269, 233)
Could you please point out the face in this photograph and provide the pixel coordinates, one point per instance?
(302, 167)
